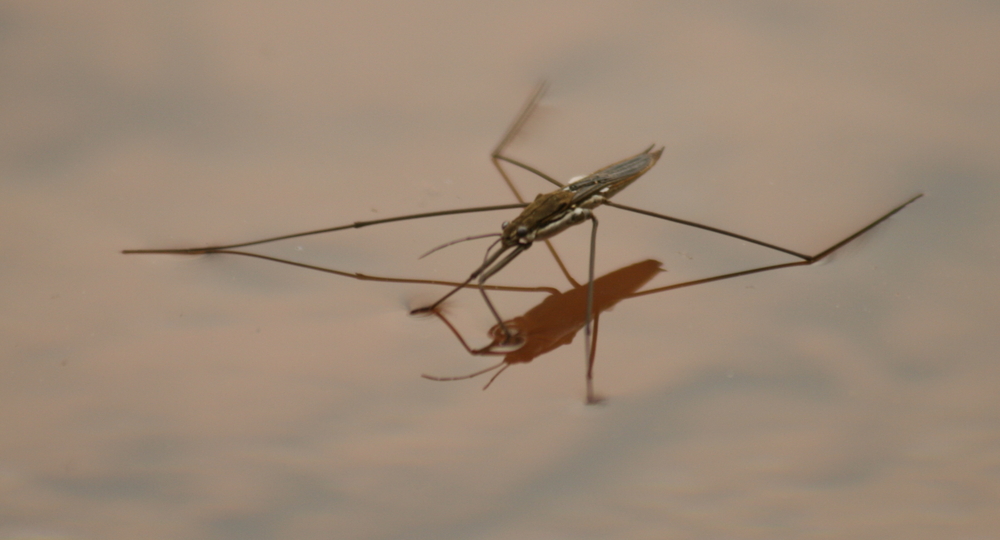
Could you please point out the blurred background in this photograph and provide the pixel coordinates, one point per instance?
(220, 397)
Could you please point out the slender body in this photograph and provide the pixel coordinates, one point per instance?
(552, 213)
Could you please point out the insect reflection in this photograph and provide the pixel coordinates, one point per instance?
(556, 320)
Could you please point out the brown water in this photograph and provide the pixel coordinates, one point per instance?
(214, 397)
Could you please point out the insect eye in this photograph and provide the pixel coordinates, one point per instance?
(522, 231)
(504, 224)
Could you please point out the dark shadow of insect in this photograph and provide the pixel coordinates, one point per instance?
(548, 215)
(555, 321)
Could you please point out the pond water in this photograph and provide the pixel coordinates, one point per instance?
(218, 396)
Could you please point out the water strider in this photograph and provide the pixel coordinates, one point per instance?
(548, 215)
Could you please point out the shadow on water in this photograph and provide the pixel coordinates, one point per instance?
(555, 321)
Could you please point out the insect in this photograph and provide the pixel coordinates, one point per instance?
(557, 319)
(546, 216)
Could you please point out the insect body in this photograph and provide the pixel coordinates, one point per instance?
(552, 213)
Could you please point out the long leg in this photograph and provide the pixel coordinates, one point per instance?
(806, 259)
(707, 228)
(588, 345)
(497, 156)
(365, 277)
(502, 365)
(511, 134)
(489, 273)
(476, 273)
(486, 270)
(488, 350)
(591, 397)
(355, 225)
